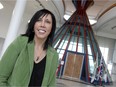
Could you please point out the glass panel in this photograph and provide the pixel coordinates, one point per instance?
(89, 49)
(91, 64)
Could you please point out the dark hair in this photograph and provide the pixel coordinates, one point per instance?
(30, 29)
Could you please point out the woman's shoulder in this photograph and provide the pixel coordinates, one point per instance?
(20, 41)
(22, 38)
(52, 49)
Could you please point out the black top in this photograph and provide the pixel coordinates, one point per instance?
(38, 73)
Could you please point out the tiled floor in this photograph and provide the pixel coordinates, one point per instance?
(69, 83)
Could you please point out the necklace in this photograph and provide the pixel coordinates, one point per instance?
(38, 57)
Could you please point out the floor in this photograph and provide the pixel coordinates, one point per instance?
(69, 83)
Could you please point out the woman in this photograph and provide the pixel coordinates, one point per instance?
(30, 59)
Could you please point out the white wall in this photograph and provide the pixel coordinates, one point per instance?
(114, 65)
(107, 42)
(114, 54)
(1, 43)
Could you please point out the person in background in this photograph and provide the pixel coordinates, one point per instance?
(30, 60)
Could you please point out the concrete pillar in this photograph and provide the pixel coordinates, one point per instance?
(14, 24)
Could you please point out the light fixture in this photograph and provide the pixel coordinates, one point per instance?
(92, 21)
(1, 6)
(66, 17)
(28, 21)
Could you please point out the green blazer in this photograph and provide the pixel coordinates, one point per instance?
(16, 64)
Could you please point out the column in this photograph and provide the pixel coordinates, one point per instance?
(14, 24)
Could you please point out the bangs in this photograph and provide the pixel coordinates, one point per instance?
(41, 15)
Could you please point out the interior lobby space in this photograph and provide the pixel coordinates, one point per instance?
(85, 37)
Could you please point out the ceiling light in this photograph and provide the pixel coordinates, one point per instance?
(28, 21)
(1, 6)
(92, 21)
(66, 17)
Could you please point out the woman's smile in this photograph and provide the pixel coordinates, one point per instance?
(41, 31)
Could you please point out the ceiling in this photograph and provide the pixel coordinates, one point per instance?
(106, 25)
(104, 11)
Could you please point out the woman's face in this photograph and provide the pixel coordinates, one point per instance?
(43, 26)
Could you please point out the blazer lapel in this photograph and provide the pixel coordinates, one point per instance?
(47, 68)
(31, 54)
(48, 62)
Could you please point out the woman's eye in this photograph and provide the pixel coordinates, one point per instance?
(48, 21)
(39, 20)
